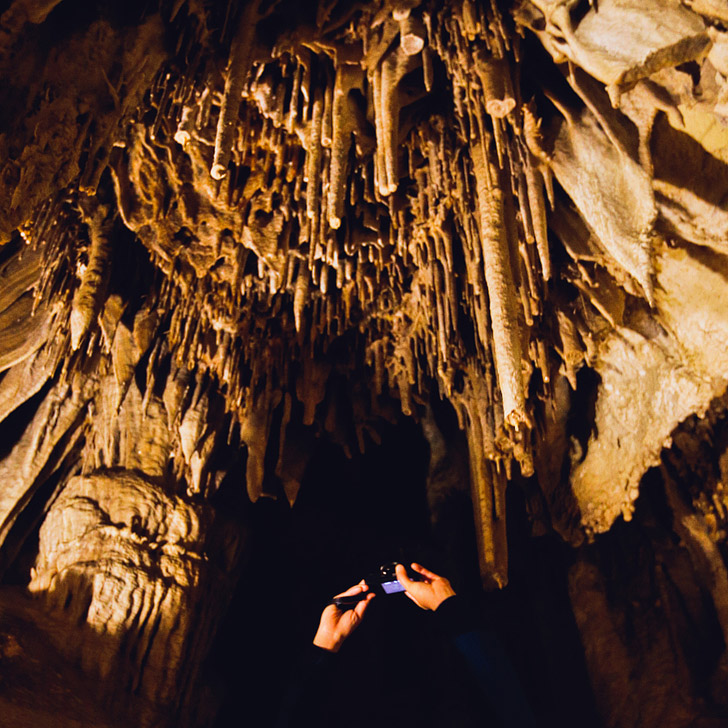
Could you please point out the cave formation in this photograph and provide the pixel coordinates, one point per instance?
(453, 268)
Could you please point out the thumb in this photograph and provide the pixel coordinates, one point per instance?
(402, 576)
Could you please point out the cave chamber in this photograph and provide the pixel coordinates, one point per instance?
(291, 289)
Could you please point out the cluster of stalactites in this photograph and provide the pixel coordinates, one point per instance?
(376, 177)
(335, 200)
(366, 196)
(377, 218)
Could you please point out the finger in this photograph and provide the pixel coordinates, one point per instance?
(351, 591)
(351, 619)
(425, 572)
(329, 609)
(402, 576)
(360, 608)
(330, 613)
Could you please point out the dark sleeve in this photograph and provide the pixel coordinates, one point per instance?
(302, 702)
(487, 661)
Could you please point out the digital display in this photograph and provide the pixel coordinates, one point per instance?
(392, 587)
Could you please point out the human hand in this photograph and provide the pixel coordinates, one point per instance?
(336, 625)
(429, 593)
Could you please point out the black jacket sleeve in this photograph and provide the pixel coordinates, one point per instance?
(487, 661)
(302, 702)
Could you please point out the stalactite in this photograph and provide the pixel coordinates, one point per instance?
(87, 298)
(348, 78)
(537, 209)
(499, 279)
(387, 76)
(239, 65)
(496, 84)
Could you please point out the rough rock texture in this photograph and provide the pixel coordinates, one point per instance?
(653, 379)
(148, 603)
(227, 230)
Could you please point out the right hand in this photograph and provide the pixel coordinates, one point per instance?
(336, 625)
(429, 593)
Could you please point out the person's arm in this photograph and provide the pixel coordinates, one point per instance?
(480, 647)
(304, 696)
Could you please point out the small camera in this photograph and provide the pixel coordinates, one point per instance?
(386, 577)
(383, 580)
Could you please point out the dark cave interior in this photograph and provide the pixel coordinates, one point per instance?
(351, 515)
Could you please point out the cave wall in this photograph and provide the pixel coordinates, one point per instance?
(231, 231)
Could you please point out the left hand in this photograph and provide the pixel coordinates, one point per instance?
(336, 625)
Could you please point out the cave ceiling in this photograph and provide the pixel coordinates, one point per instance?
(243, 226)
(359, 206)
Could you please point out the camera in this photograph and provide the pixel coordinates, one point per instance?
(383, 580)
(386, 577)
